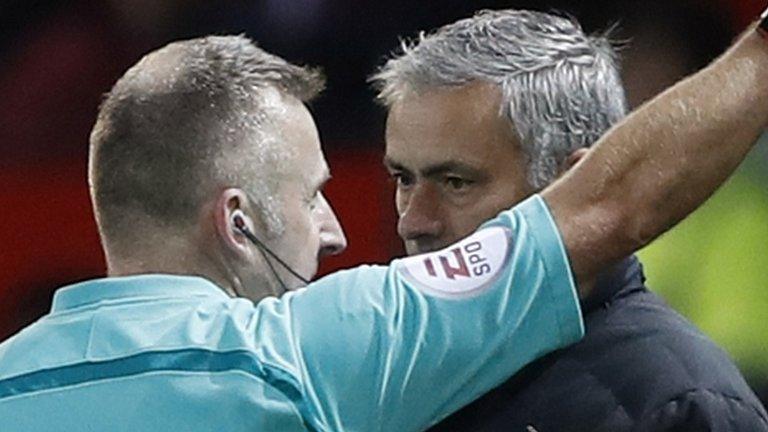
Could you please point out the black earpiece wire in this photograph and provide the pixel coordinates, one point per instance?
(240, 225)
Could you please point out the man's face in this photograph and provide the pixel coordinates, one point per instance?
(311, 227)
(456, 162)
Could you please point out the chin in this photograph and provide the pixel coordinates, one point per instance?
(292, 287)
(411, 250)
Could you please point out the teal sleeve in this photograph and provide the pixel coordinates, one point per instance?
(398, 348)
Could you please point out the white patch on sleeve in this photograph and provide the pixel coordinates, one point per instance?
(462, 270)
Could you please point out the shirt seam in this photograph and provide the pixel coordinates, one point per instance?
(84, 361)
(176, 372)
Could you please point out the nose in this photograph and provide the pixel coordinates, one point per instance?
(332, 238)
(419, 210)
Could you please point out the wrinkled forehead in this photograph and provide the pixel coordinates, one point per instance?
(462, 122)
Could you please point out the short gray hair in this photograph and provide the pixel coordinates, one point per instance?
(186, 120)
(560, 88)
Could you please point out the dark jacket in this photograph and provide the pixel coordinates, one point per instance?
(640, 367)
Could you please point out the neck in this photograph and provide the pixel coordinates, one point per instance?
(252, 280)
(168, 262)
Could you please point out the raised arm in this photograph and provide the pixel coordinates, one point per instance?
(663, 160)
(398, 348)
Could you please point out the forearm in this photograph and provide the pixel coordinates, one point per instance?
(664, 160)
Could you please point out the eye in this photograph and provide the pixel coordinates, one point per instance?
(457, 184)
(313, 201)
(402, 179)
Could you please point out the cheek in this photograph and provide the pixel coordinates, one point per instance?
(463, 223)
(304, 241)
(311, 235)
(475, 212)
(299, 223)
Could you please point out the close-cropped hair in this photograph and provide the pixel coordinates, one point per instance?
(187, 119)
(560, 88)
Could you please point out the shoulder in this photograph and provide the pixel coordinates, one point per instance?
(645, 335)
(656, 363)
(649, 339)
(706, 410)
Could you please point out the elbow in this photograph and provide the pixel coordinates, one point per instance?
(618, 230)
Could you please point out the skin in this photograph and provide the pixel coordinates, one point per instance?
(455, 161)
(312, 229)
(213, 249)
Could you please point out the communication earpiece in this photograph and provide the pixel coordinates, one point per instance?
(239, 225)
(239, 221)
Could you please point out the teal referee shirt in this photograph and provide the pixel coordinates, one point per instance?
(389, 348)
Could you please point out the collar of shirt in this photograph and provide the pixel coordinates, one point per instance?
(623, 278)
(128, 287)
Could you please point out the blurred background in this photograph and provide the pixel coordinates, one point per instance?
(58, 57)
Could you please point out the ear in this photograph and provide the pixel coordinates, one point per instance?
(574, 158)
(229, 201)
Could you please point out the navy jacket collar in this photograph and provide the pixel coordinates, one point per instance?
(621, 279)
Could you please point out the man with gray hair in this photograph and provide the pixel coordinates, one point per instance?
(485, 112)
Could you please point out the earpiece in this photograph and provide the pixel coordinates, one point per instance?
(239, 225)
(238, 221)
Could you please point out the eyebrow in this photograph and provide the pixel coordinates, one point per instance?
(437, 169)
(322, 181)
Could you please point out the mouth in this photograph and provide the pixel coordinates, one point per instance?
(418, 248)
